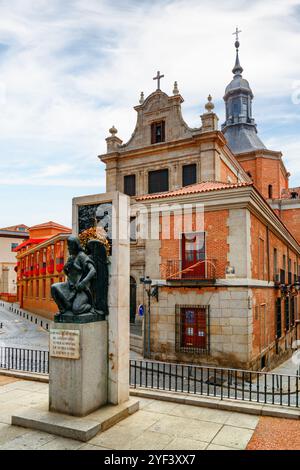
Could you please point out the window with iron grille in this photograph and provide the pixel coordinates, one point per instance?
(158, 181)
(189, 174)
(192, 329)
(287, 313)
(278, 317)
(157, 132)
(129, 185)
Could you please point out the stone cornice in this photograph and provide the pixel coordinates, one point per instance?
(216, 137)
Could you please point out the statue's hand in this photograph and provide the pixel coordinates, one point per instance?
(80, 286)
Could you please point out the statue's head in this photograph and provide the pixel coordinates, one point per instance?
(74, 245)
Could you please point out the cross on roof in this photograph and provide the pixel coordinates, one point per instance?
(158, 77)
(237, 31)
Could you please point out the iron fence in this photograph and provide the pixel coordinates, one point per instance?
(236, 384)
(251, 386)
(25, 360)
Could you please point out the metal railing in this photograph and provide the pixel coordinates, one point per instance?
(234, 384)
(25, 360)
(197, 270)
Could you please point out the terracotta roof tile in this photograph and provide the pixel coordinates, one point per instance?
(202, 187)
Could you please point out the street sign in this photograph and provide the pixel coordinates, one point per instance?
(141, 310)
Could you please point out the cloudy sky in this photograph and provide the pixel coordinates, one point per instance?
(70, 69)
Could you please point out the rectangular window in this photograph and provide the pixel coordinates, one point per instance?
(287, 313)
(158, 181)
(157, 132)
(13, 246)
(293, 300)
(193, 255)
(44, 289)
(129, 185)
(261, 258)
(192, 329)
(189, 174)
(278, 317)
(263, 327)
(275, 263)
(132, 229)
(37, 288)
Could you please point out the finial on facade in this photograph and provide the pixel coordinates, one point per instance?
(142, 99)
(237, 69)
(175, 90)
(113, 131)
(209, 105)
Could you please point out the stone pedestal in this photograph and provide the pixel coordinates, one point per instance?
(78, 387)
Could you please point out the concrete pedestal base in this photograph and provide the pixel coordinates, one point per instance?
(81, 429)
(79, 386)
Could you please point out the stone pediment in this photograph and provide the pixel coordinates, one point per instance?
(158, 107)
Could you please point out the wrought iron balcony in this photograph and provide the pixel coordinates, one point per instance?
(199, 270)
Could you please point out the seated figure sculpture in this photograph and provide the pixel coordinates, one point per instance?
(75, 298)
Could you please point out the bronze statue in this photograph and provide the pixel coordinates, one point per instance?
(83, 297)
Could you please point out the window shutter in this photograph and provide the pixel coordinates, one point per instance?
(129, 185)
(158, 181)
(189, 174)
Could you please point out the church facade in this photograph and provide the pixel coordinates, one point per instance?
(215, 227)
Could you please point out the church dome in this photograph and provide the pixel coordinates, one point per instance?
(238, 82)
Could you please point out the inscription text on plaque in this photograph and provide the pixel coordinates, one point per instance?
(64, 344)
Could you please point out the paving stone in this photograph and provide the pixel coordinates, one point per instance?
(141, 420)
(117, 437)
(161, 407)
(61, 443)
(8, 432)
(218, 447)
(91, 447)
(230, 436)
(181, 443)
(203, 414)
(149, 440)
(29, 441)
(242, 420)
(186, 427)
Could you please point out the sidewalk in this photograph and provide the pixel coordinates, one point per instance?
(159, 425)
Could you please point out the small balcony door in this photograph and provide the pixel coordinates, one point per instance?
(193, 255)
(194, 330)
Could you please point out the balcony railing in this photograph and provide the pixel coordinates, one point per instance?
(198, 270)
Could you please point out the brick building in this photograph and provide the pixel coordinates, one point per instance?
(10, 238)
(216, 230)
(40, 261)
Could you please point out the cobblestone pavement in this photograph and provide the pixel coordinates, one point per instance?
(276, 434)
(20, 333)
(158, 425)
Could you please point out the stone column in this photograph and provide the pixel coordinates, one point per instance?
(118, 303)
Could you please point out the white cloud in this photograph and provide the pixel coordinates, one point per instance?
(71, 69)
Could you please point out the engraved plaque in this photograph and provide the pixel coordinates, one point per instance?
(64, 344)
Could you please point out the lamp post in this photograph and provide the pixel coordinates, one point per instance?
(147, 285)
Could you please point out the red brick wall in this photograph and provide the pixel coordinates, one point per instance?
(265, 172)
(259, 234)
(291, 218)
(215, 226)
(226, 172)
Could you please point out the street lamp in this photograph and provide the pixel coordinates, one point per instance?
(150, 292)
